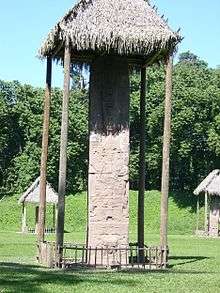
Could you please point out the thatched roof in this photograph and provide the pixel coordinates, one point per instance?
(211, 184)
(32, 194)
(124, 27)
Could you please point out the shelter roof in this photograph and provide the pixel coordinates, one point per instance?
(125, 27)
(32, 194)
(211, 184)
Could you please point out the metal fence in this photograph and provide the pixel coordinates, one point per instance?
(46, 230)
(132, 257)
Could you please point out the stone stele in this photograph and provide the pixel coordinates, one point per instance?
(108, 191)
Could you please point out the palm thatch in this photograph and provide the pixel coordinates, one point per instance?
(32, 194)
(124, 27)
(211, 184)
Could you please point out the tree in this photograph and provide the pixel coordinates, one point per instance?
(196, 99)
(21, 142)
(190, 58)
(195, 145)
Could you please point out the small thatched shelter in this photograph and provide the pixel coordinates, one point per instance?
(110, 36)
(210, 187)
(32, 196)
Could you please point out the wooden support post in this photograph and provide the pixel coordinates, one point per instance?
(197, 215)
(44, 153)
(209, 212)
(54, 216)
(142, 164)
(206, 214)
(63, 156)
(36, 219)
(166, 155)
(24, 219)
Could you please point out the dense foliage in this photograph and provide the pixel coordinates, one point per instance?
(20, 138)
(195, 147)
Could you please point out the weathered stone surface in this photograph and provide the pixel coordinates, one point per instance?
(109, 154)
(214, 216)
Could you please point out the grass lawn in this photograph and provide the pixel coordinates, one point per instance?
(182, 216)
(194, 267)
(194, 262)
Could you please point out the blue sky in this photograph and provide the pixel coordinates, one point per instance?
(24, 24)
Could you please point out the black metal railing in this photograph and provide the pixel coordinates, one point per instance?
(46, 230)
(123, 257)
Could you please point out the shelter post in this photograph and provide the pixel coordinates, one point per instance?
(166, 156)
(36, 218)
(24, 218)
(44, 153)
(197, 215)
(142, 164)
(63, 156)
(54, 216)
(206, 213)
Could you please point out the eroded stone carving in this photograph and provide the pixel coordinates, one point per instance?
(109, 156)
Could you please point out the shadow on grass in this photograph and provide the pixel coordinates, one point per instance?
(32, 278)
(168, 272)
(16, 277)
(182, 260)
(185, 200)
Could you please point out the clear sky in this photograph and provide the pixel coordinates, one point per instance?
(24, 24)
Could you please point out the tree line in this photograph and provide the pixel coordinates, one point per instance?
(195, 146)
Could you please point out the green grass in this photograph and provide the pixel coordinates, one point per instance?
(194, 262)
(182, 216)
(194, 267)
